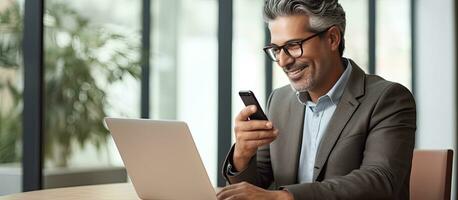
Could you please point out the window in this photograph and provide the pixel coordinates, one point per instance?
(92, 61)
(92, 70)
(248, 71)
(393, 41)
(356, 33)
(184, 64)
(11, 87)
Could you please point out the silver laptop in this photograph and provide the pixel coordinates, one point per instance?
(161, 159)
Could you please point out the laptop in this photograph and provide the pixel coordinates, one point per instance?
(161, 159)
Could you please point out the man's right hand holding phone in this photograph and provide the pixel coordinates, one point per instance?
(250, 134)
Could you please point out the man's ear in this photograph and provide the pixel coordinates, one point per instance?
(334, 38)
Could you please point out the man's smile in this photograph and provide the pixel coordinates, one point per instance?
(295, 72)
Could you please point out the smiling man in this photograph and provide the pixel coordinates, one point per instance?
(334, 132)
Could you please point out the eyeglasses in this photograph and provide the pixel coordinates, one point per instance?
(292, 49)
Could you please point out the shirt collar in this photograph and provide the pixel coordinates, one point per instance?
(336, 92)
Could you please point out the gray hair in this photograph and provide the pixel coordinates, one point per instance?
(322, 14)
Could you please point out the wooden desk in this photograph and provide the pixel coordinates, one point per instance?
(121, 191)
(124, 191)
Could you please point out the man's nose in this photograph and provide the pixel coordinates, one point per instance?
(284, 59)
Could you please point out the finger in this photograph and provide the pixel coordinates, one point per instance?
(258, 135)
(245, 113)
(248, 148)
(228, 192)
(233, 186)
(233, 191)
(253, 125)
(228, 187)
(258, 143)
(238, 196)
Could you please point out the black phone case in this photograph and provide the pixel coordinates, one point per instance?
(248, 98)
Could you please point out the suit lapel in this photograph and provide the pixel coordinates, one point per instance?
(344, 110)
(293, 148)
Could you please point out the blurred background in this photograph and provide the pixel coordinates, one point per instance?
(184, 60)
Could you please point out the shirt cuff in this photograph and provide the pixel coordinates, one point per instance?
(230, 169)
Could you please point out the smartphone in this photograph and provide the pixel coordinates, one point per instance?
(248, 98)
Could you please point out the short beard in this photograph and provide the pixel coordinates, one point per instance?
(302, 88)
(307, 84)
(298, 88)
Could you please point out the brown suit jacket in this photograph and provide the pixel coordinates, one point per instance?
(365, 153)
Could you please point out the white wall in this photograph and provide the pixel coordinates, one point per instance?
(435, 75)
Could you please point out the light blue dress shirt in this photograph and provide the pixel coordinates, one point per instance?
(316, 120)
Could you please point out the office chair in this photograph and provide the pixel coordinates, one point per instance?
(431, 174)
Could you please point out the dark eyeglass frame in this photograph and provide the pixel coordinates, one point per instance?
(288, 44)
